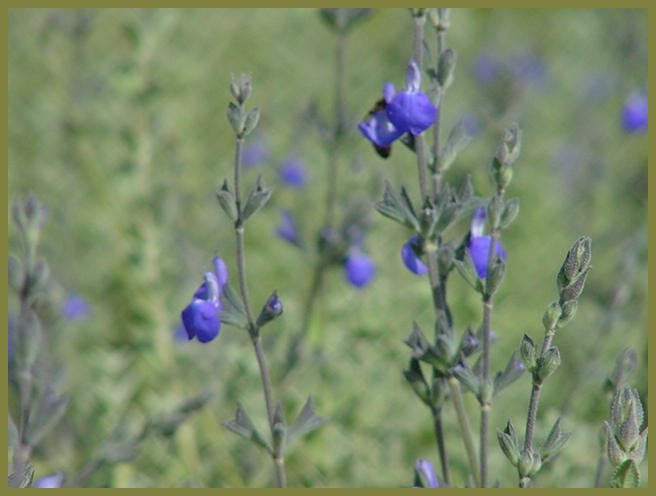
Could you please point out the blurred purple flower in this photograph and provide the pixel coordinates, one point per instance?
(359, 268)
(425, 474)
(50, 481)
(530, 68)
(293, 172)
(75, 307)
(479, 245)
(410, 257)
(472, 124)
(202, 317)
(287, 228)
(487, 68)
(635, 113)
(255, 153)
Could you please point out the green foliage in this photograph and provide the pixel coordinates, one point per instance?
(117, 122)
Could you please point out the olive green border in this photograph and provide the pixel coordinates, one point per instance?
(644, 4)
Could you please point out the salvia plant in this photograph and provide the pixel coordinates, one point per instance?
(451, 235)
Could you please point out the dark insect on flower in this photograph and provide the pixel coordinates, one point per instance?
(376, 124)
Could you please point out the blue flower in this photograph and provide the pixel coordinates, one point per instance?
(410, 110)
(379, 130)
(359, 268)
(287, 228)
(530, 68)
(293, 173)
(635, 113)
(479, 245)
(202, 317)
(50, 481)
(410, 257)
(75, 307)
(425, 474)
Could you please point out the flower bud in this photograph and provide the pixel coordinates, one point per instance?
(529, 463)
(441, 18)
(271, 310)
(574, 290)
(548, 363)
(446, 66)
(527, 351)
(616, 455)
(568, 311)
(508, 444)
(237, 118)
(551, 316)
(510, 211)
(241, 88)
(415, 378)
(495, 276)
(227, 200)
(251, 121)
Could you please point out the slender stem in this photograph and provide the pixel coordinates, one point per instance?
(465, 429)
(420, 143)
(533, 405)
(441, 446)
(253, 330)
(486, 403)
(438, 101)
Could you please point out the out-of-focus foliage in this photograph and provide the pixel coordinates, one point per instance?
(117, 122)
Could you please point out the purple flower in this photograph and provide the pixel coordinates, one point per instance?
(487, 68)
(287, 228)
(379, 130)
(530, 68)
(425, 474)
(479, 245)
(75, 307)
(50, 481)
(410, 110)
(410, 256)
(359, 268)
(635, 113)
(293, 173)
(202, 317)
(255, 153)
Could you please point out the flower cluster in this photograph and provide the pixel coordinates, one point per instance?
(400, 112)
(202, 317)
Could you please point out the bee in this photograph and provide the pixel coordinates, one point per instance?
(383, 151)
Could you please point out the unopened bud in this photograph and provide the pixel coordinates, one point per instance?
(527, 352)
(548, 363)
(551, 316)
(271, 310)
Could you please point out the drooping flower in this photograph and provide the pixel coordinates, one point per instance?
(479, 245)
(359, 268)
(425, 474)
(410, 110)
(635, 113)
(287, 228)
(75, 307)
(50, 481)
(202, 317)
(410, 256)
(293, 173)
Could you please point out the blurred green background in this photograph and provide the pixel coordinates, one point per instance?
(117, 122)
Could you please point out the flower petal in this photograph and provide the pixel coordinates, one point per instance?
(412, 112)
(379, 130)
(410, 258)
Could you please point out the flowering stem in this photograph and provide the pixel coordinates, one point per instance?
(486, 403)
(465, 429)
(253, 329)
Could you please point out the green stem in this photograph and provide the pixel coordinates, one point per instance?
(465, 429)
(486, 403)
(438, 101)
(441, 446)
(253, 330)
(533, 406)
